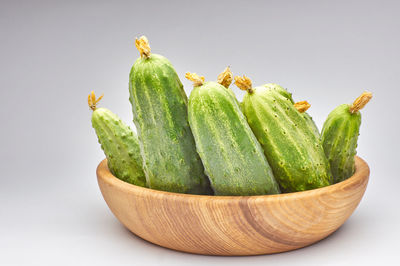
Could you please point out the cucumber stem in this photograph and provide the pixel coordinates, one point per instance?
(244, 83)
(302, 106)
(197, 80)
(92, 101)
(226, 77)
(360, 102)
(142, 44)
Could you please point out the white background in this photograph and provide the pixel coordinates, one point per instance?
(54, 53)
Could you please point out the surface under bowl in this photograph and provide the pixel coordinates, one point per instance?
(233, 225)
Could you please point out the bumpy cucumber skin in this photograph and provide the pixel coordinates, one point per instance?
(159, 106)
(311, 124)
(294, 152)
(232, 157)
(120, 145)
(288, 95)
(339, 138)
(282, 91)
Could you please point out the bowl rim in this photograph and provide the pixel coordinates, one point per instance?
(360, 175)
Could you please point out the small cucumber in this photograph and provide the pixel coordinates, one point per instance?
(119, 143)
(293, 150)
(340, 135)
(233, 159)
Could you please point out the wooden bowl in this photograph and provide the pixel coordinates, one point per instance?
(233, 225)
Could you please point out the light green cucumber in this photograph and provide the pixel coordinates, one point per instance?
(340, 135)
(290, 144)
(232, 157)
(159, 106)
(119, 143)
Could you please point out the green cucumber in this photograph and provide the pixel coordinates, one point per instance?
(293, 150)
(288, 95)
(159, 106)
(285, 93)
(119, 143)
(340, 135)
(300, 104)
(232, 157)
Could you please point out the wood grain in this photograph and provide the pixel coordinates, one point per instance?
(233, 225)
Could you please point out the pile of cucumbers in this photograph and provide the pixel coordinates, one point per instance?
(214, 145)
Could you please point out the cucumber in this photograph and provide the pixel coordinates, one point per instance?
(119, 143)
(232, 157)
(159, 106)
(340, 135)
(293, 150)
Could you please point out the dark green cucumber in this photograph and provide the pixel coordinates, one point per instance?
(232, 157)
(159, 106)
(119, 143)
(293, 150)
(340, 135)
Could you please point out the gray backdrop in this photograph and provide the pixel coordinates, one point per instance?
(53, 53)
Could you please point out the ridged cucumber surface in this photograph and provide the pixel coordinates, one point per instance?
(293, 150)
(159, 106)
(285, 93)
(233, 159)
(340, 135)
(288, 95)
(302, 107)
(120, 145)
(311, 123)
